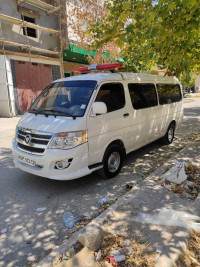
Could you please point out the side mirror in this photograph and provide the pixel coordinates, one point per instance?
(99, 108)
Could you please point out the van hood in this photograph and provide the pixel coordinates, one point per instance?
(51, 124)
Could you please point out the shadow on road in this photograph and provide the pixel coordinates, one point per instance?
(31, 235)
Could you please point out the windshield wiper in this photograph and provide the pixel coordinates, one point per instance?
(60, 112)
(36, 111)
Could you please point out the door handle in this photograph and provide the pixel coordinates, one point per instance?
(126, 115)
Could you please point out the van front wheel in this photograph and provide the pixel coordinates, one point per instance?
(169, 136)
(112, 162)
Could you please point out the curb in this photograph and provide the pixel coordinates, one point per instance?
(171, 252)
(48, 260)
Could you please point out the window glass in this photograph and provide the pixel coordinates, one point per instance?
(112, 94)
(68, 98)
(175, 92)
(168, 93)
(143, 95)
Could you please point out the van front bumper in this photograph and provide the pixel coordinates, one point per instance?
(44, 165)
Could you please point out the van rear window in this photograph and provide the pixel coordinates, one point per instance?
(143, 95)
(168, 93)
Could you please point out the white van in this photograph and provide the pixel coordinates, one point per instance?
(83, 123)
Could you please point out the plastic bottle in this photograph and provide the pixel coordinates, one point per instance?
(68, 219)
(103, 201)
(117, 258)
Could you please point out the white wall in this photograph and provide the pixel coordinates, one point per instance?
(7, 103)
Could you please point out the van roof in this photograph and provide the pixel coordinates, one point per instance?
(120, 76)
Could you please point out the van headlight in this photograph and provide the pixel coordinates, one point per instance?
(68, 140)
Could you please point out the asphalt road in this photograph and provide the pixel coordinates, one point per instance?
(31, 235)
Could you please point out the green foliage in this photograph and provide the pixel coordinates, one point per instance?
(151, 33)
(188, 79)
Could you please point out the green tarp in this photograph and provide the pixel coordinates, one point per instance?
(79, 55)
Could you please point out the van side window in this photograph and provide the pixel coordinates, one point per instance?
(169, 93)
(112, 94)
(143, 95)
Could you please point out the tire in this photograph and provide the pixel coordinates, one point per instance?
(169, 136)
(112, 162)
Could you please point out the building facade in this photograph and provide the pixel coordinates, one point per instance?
(30, 51)
(40, 41)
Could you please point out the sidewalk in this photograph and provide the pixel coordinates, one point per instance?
(130, 213)
(7, 133)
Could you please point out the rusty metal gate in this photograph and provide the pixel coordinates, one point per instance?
(31, 79)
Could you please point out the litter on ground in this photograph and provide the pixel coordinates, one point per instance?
(41, 209)
(169, 217)
(134, 170)
(130, 185)
(159, 249)
(105, 200)
(69, 220)
(3, 231)
(190, 187)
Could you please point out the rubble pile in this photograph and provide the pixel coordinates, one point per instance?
(186, 185)
(118, 251)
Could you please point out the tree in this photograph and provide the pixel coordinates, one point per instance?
(150, 34)
(81, 14)
(188, 79)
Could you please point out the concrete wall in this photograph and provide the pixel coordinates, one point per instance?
(7, 101)
(15, 33)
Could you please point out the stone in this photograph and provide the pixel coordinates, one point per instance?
(92, 237)
(175, 175)
(194, 191)
(189, 183)
(186, 187)
(197, 176)
(126, 242)
(186, 195)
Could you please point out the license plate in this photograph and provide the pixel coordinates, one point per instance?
(26, 160)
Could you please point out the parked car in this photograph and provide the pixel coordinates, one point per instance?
(84, 123)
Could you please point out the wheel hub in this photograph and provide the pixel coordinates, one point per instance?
(114, 162)
(170, 134)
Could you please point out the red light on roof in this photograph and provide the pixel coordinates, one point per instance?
(99, 67)
(170, 73)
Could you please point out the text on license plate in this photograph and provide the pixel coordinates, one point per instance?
(28, 161)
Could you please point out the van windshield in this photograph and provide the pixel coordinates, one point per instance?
(67, 98)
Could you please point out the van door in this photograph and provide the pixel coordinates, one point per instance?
(105, 128)
(170, 105)
(144, 118)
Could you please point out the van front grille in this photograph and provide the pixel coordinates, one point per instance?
(31, 149)
(31, 141)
